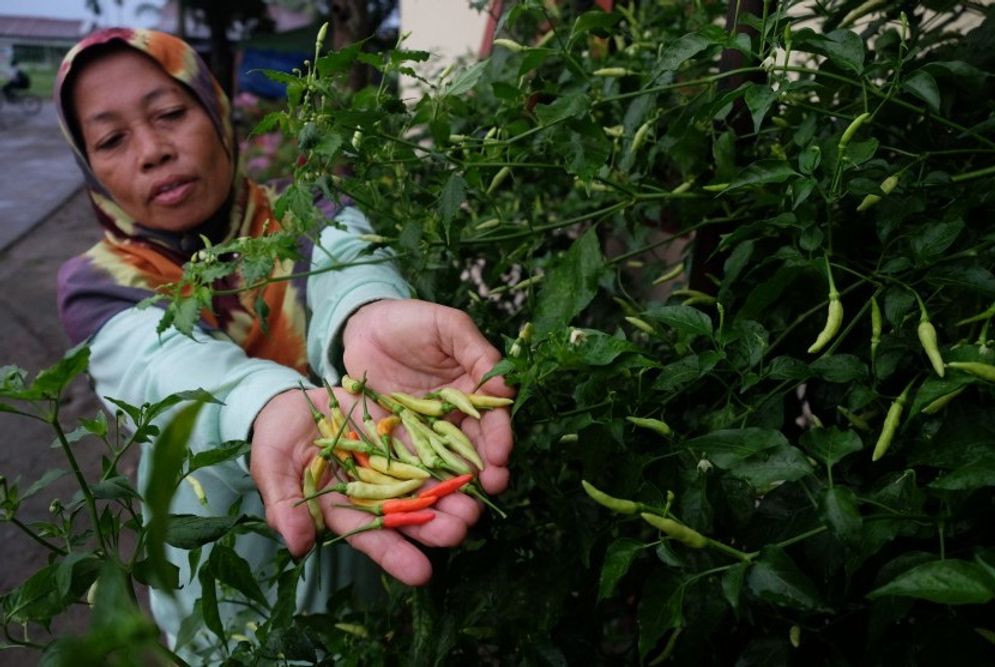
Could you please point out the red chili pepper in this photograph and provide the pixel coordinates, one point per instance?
(449, 486)
(398, 520)
(401, 519)
(393, 506)
(362, 458)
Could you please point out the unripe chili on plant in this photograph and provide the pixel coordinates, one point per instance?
(614, 504)
(942, 402)
(834, 315)
(498, 179)
(887, 185)
(676, 530)
(890, 426)
(655, 425)
(876, 324)
(975, 368)
(927, 338)
(640, 136)
(851, 130)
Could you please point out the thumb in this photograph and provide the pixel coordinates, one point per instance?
(280, 487)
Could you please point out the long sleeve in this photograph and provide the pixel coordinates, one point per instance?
(332, 296)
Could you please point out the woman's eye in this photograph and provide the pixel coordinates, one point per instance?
(109, 143)
(174, 114)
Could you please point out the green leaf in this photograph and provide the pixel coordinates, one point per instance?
(762, 173)
(976, 475)
(973, 278)
(50, 382)
(466, 80)
(838, 508)
(167, 458)
(233, 570)
(948, 581)
(726, 448)
(79, 566)
(226, 451)
(566, 106)
(594, 20)
(922, 84)
(830, 445)
(840, 368)
(452, 197)
(42, 482)
(781, 464)
(776, 579)
(809, 159)
(661, 608)
(685, 319)
(209, 604)
(570, 284)
(678, 51)
(934, 238)
(732, 584)
(113, 488)
(189, 531)
(788, 368)
(759, 98)
(618, 558)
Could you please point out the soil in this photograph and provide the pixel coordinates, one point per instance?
(33, 340)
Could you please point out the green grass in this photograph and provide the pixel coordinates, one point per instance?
(42, 80)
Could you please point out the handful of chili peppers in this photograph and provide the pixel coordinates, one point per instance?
(377, 472)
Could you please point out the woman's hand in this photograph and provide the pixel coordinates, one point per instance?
(416, 347)
(283, 446)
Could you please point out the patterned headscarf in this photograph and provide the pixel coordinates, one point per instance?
(132, 261)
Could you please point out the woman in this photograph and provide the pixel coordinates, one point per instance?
(150, 129)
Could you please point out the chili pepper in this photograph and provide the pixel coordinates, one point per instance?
(446, 487)
(371, 476)
(456, 439)
(670, 275)
(612, 72)
(942, 402)
(890, 425)
(333, 405)
(399, 520)
(362, 458)
(655, 425)
(795, 636)
(312, 475)
(198, 489)
(509, 44)
(344, 444)
(887, 185)
(855, 419)
(385, 426)
(976, 368)
(353, 629)
(640, 136)
(396, 468)
(875, 326)
(486, 401)
(403, 453)
(352, 385)
(641, 324)
(927, 337)
(423, 448)
(852, 130)
(498, 179)
(488, 224)
(676, 530)
(834, 315)
(393, 506)
(614, 131)
(614, 504)
(683, 187)
(459, 400)
(715, 187)
(423, 406)
(450, 460)
(377, 491)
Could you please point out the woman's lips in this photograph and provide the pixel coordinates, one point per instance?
(173, 193)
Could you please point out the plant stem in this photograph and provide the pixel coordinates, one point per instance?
(36, 537)
(91, 502)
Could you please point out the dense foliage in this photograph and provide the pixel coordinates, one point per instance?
(821, 153)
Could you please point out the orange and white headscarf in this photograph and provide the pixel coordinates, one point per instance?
(131, 262)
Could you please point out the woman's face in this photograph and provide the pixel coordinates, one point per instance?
(150, 143)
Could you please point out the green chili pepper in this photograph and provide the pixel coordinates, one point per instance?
(890, 426)
(676, 530)
(941, 402)
(887, 185)
(834, 315)
(509, 44)
(614, 504)
(458, 441)
(641, 324)
(640, 136)
(655, 425)
(927, 337)
(852, 130)
(458, 400)
(424, 406)
(876, 322)
(498, 179)
(976, 368)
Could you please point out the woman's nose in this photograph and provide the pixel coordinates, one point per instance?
(154, 149)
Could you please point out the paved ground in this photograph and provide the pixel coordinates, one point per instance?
(45, 218)
(38, 170)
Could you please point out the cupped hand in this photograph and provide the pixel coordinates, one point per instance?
(283, 446)
(417, 347)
